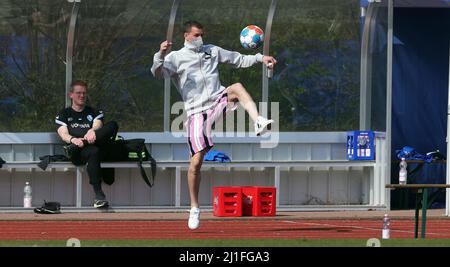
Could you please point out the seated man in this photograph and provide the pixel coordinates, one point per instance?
(81, 127)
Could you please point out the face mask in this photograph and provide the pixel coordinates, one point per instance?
(197, 42)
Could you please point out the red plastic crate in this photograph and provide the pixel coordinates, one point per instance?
(258, 201)
(227, 201)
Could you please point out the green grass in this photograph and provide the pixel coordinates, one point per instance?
(233, 243)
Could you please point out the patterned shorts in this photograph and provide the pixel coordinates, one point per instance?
(199, 126)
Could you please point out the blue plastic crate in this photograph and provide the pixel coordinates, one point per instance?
(360, 145)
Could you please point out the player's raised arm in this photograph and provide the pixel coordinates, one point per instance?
(161, 66)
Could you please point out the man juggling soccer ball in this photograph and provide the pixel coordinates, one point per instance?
(194, 70)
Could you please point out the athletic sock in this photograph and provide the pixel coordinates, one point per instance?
(260, 119)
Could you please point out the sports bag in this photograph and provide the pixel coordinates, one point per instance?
(133, 150)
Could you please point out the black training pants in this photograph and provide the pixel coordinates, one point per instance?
(93, 154)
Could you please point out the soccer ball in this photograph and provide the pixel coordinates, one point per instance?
(251, 37)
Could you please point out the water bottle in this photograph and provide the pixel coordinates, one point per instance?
(349, 146)
(403, 172)
(386, 230)
(27, 195)
(269, 70)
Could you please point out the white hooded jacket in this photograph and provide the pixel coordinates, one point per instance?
(195, 72)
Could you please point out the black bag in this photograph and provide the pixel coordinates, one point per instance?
(49, 208)
(133, 150)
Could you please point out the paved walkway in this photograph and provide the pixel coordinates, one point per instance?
(168, 216)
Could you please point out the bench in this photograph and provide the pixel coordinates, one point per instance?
(178, 166)
(311, 154)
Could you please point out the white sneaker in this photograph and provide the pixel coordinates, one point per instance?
(194, 218)
(261, 125)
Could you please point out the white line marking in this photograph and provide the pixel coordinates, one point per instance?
(360, 227)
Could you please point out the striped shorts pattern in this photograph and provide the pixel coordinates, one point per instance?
(199, 126)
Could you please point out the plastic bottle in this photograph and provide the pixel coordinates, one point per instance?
(349, 145)
(386, 234)
(403, 175)
(27, 195)
(269, 70)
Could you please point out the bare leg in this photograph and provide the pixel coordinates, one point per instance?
(237, 92)
(194, 176)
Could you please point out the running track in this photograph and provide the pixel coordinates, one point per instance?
(213, 229)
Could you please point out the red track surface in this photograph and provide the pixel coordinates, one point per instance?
(214, 229)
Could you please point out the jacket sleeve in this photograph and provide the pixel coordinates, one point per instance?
(98, 114)
(238, 60)
(166, 65)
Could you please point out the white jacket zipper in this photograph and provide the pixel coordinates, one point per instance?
(203, 75)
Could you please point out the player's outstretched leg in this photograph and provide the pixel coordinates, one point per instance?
(237, 92)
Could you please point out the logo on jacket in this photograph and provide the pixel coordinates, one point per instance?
(89, 117)
(207, 52)
(80, 125)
